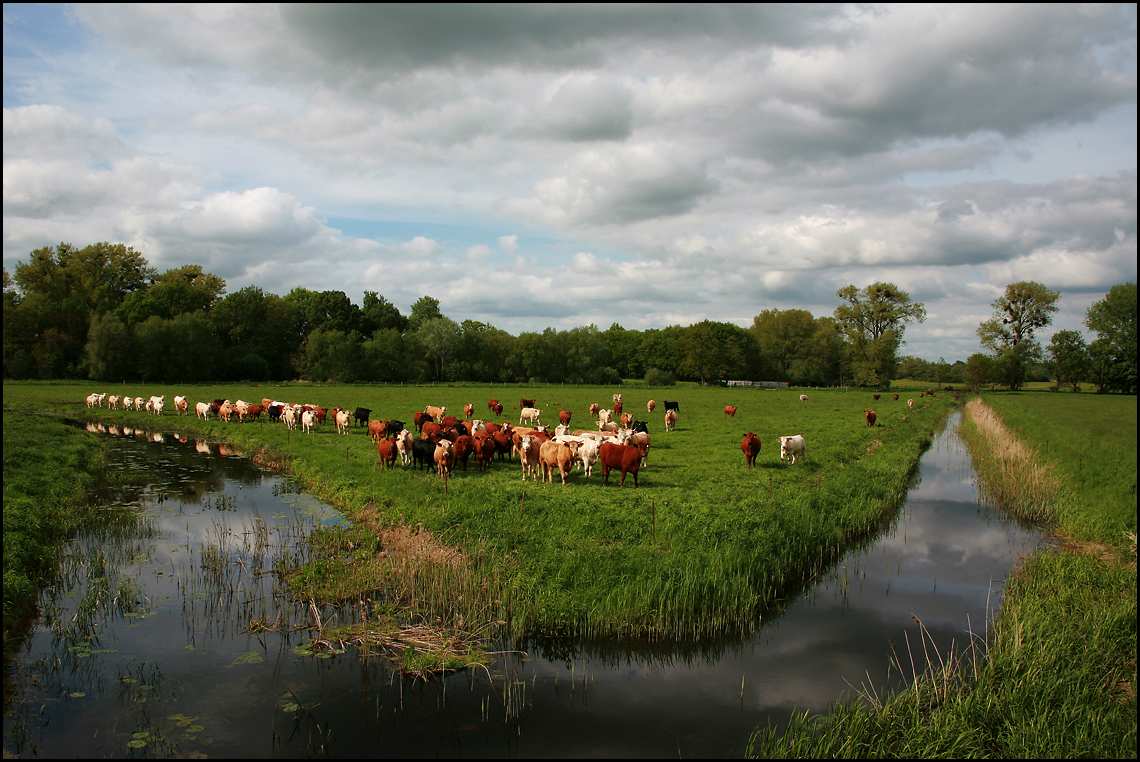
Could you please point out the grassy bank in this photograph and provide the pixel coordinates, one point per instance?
(703, 545)
(1058, 678)
(48, 467)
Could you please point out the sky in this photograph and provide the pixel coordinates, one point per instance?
(535, 166)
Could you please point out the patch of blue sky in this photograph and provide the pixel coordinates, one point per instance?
(34, 35)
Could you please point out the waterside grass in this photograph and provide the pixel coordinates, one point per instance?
(48, 470)
(704, 546)
(1057, 676)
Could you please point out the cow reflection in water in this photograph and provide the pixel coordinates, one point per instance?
(113, 430)
(158, 438)
(202, 447)
(225, 449)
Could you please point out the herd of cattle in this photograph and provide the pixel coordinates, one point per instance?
(619, 443)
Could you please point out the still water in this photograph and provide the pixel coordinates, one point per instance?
(142, 649)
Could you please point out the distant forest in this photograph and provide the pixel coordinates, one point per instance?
(102, 312)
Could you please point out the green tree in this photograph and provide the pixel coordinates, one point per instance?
(872, 322)
(1025, 307)
(785, 338)
(440, 337)
(182, 349)
(942, 371)
(978, 371)
(377, 314)
(1068, 359)
(194, 277)
(425, 309)
(324, 311)
(1113, 353)
(252, 322)
(332, 355)
(712, 352)
(108, 349)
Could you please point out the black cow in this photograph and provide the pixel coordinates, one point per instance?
(275, 413)
(423, 450)
(361, 415)
(672, 406)
(462, 430)
(394, 428)
(639, 426)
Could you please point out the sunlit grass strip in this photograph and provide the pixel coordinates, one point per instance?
(1010, 471)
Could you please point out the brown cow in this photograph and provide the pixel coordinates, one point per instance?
(626, 419)
(419, 419)
(876, 397)
(386, 449)
(464, 446)
(448, 421)
(377, 430)
(730, 411)
(484, 451)
(750, 446)
(254, 411)
(528, 456)
(492, 404)
(564, 416)
(526, 403)
(896, 398)
(650, 405)
(555, 455)
(468, 410)
(617, 408)
(625, 457)
(432, 432)
(444, 457)
(871, 415)
(594, 408)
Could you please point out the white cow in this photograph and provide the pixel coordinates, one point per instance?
(180, 404)
(803, 398)
(154, 404)
(604, 416)
(128, 403)
(529, 414)
(112, 402)
(670, 419)
(140, 404)
(343, 421)
(203, 410)
(289, 415)
(404, 446)
(308, 421)
(793, 446)
(92, 400)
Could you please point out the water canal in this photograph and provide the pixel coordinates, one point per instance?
(142, 649)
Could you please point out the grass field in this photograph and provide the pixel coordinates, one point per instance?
(703, 545)
(1058, 678)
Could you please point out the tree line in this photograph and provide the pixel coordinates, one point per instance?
(102, 312)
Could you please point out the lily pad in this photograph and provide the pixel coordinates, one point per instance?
(191, 648)
(136, 744)
(195, 728)
(77, 694)
(249, 657)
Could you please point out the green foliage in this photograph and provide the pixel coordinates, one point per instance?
(1025, 307)
(426, 308)
(1068, 359)
(873, 321)
(979, 371)
(656, 377)
(179, 350)
(1113, 353)
(108, 349)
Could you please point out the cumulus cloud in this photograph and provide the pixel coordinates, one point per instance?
(509, 244)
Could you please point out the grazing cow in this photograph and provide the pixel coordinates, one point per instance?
(423, 451)
(497, 409)
(93, 400)
(361, 416)
(876, 397)
(468, 410)
(226, 413)
(528, 451)
(492, 404)
(419, 419)
(435, 412)
(128, 403)
(556, 455)
(386, 450)
(750, 446)
(377, 430)
(625, 457)
(564, 416)
(910, 404)
(792, 446)
(803, 398)
(155, 404)
(526, 403)
(202, 410)
(595, 409)
(444, 457)
(896, 398)
(610, 426)
(308, 421)
(670, 419)
(140, 404)
(343, 421)
(672, 406)
(730, 411)
(529, 414)
(617, 398)
(871, 415)
(650, 405)
(404, 442)
(253, 411)
(617, 408)
(112, 402)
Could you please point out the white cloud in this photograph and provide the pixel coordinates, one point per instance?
(509, 244)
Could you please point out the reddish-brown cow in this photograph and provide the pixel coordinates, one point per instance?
(750, 446)
(564, 416)
(730, 411)
(377, 430)
(876, 397)
(468, 410)
(386, 449)
(625, 457)
(871, 415)
(617, 408)
(420, 418)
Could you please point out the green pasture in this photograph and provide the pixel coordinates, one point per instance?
(703, 545)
